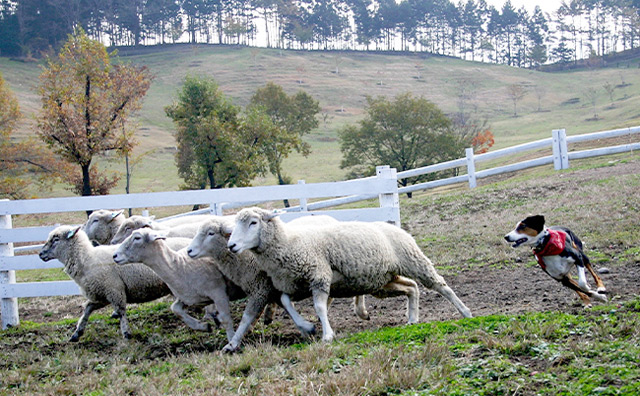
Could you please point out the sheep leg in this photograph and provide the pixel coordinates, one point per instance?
(210, 313)
(360, 307)
(89, 307)
(269, 312)
(178, 308)
(320, 300)
(447, 293)
(251, 312)
(409, 288)
(124, 322)
(221, 299)
(306, 328)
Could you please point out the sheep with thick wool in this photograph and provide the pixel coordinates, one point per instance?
(185, 227)
(194, 282)
(103, 224)
(99, 279)
(211, 240)
(341, 260)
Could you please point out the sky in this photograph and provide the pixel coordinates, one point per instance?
(548, 6)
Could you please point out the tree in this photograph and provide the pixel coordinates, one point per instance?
(21, 160)
(592, 96)
(405, 133)
(516, 92)
(86, 103)
(216, 146)
(295, 115)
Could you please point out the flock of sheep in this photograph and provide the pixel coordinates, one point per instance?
(209, 261)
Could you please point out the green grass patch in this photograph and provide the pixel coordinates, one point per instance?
(592, 352)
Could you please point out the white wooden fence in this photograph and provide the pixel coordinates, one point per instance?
(383, 186)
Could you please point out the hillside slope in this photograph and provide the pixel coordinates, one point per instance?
(341, 80)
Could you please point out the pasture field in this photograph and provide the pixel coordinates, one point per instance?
(529, 336)
(340, 81)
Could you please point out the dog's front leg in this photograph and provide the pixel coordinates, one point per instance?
(586, 301)
(582, 279)
(571, 284)
(599, 283)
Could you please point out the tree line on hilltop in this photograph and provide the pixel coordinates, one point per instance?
(88, 100)
(469, 29)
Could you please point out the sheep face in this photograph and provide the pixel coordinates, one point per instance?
(134, 247)
(211, 239)
(128, 226)
(56, 242)
(249, 224)
(98, 224)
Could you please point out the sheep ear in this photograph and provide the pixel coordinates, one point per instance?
(154, 236)
(73, 232)
(116, 214)
(269, 216)
(226, 230)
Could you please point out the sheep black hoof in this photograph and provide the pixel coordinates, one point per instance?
(115, 315)
(126, 335)
(74, 338)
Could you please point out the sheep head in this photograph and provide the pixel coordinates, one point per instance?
(99, 224)
(211, 238)
(134, 248)
(58, 239)
(249, 224)
(128, 226)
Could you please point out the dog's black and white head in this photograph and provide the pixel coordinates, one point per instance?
(527, 232)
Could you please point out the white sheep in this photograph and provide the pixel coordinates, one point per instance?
(400, 286)
(185, 227)
(345, 259)
(192, 281)
(99, 279)
(103, 224)
(211, 241)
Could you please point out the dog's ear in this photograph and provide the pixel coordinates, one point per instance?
(535, 222)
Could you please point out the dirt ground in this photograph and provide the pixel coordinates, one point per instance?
(485, 292)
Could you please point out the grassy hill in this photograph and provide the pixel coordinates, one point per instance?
(340, 81)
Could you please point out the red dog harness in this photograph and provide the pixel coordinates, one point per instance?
(553, 247)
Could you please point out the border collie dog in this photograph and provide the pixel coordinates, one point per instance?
(558, 250)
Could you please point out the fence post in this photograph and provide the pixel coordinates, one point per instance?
(216, 209)
(471, 168)
(389, 200)
(560, 152)
(9, 306)
(302, 201)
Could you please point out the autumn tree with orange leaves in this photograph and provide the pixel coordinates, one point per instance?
(21, 162)
(87, 101)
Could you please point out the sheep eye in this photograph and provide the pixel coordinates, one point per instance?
(211, 233)
(94, 221)
(253, 222)
(136, 237)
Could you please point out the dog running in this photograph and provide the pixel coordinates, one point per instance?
(558, 250)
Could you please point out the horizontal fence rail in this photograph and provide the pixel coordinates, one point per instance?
(383, 186)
